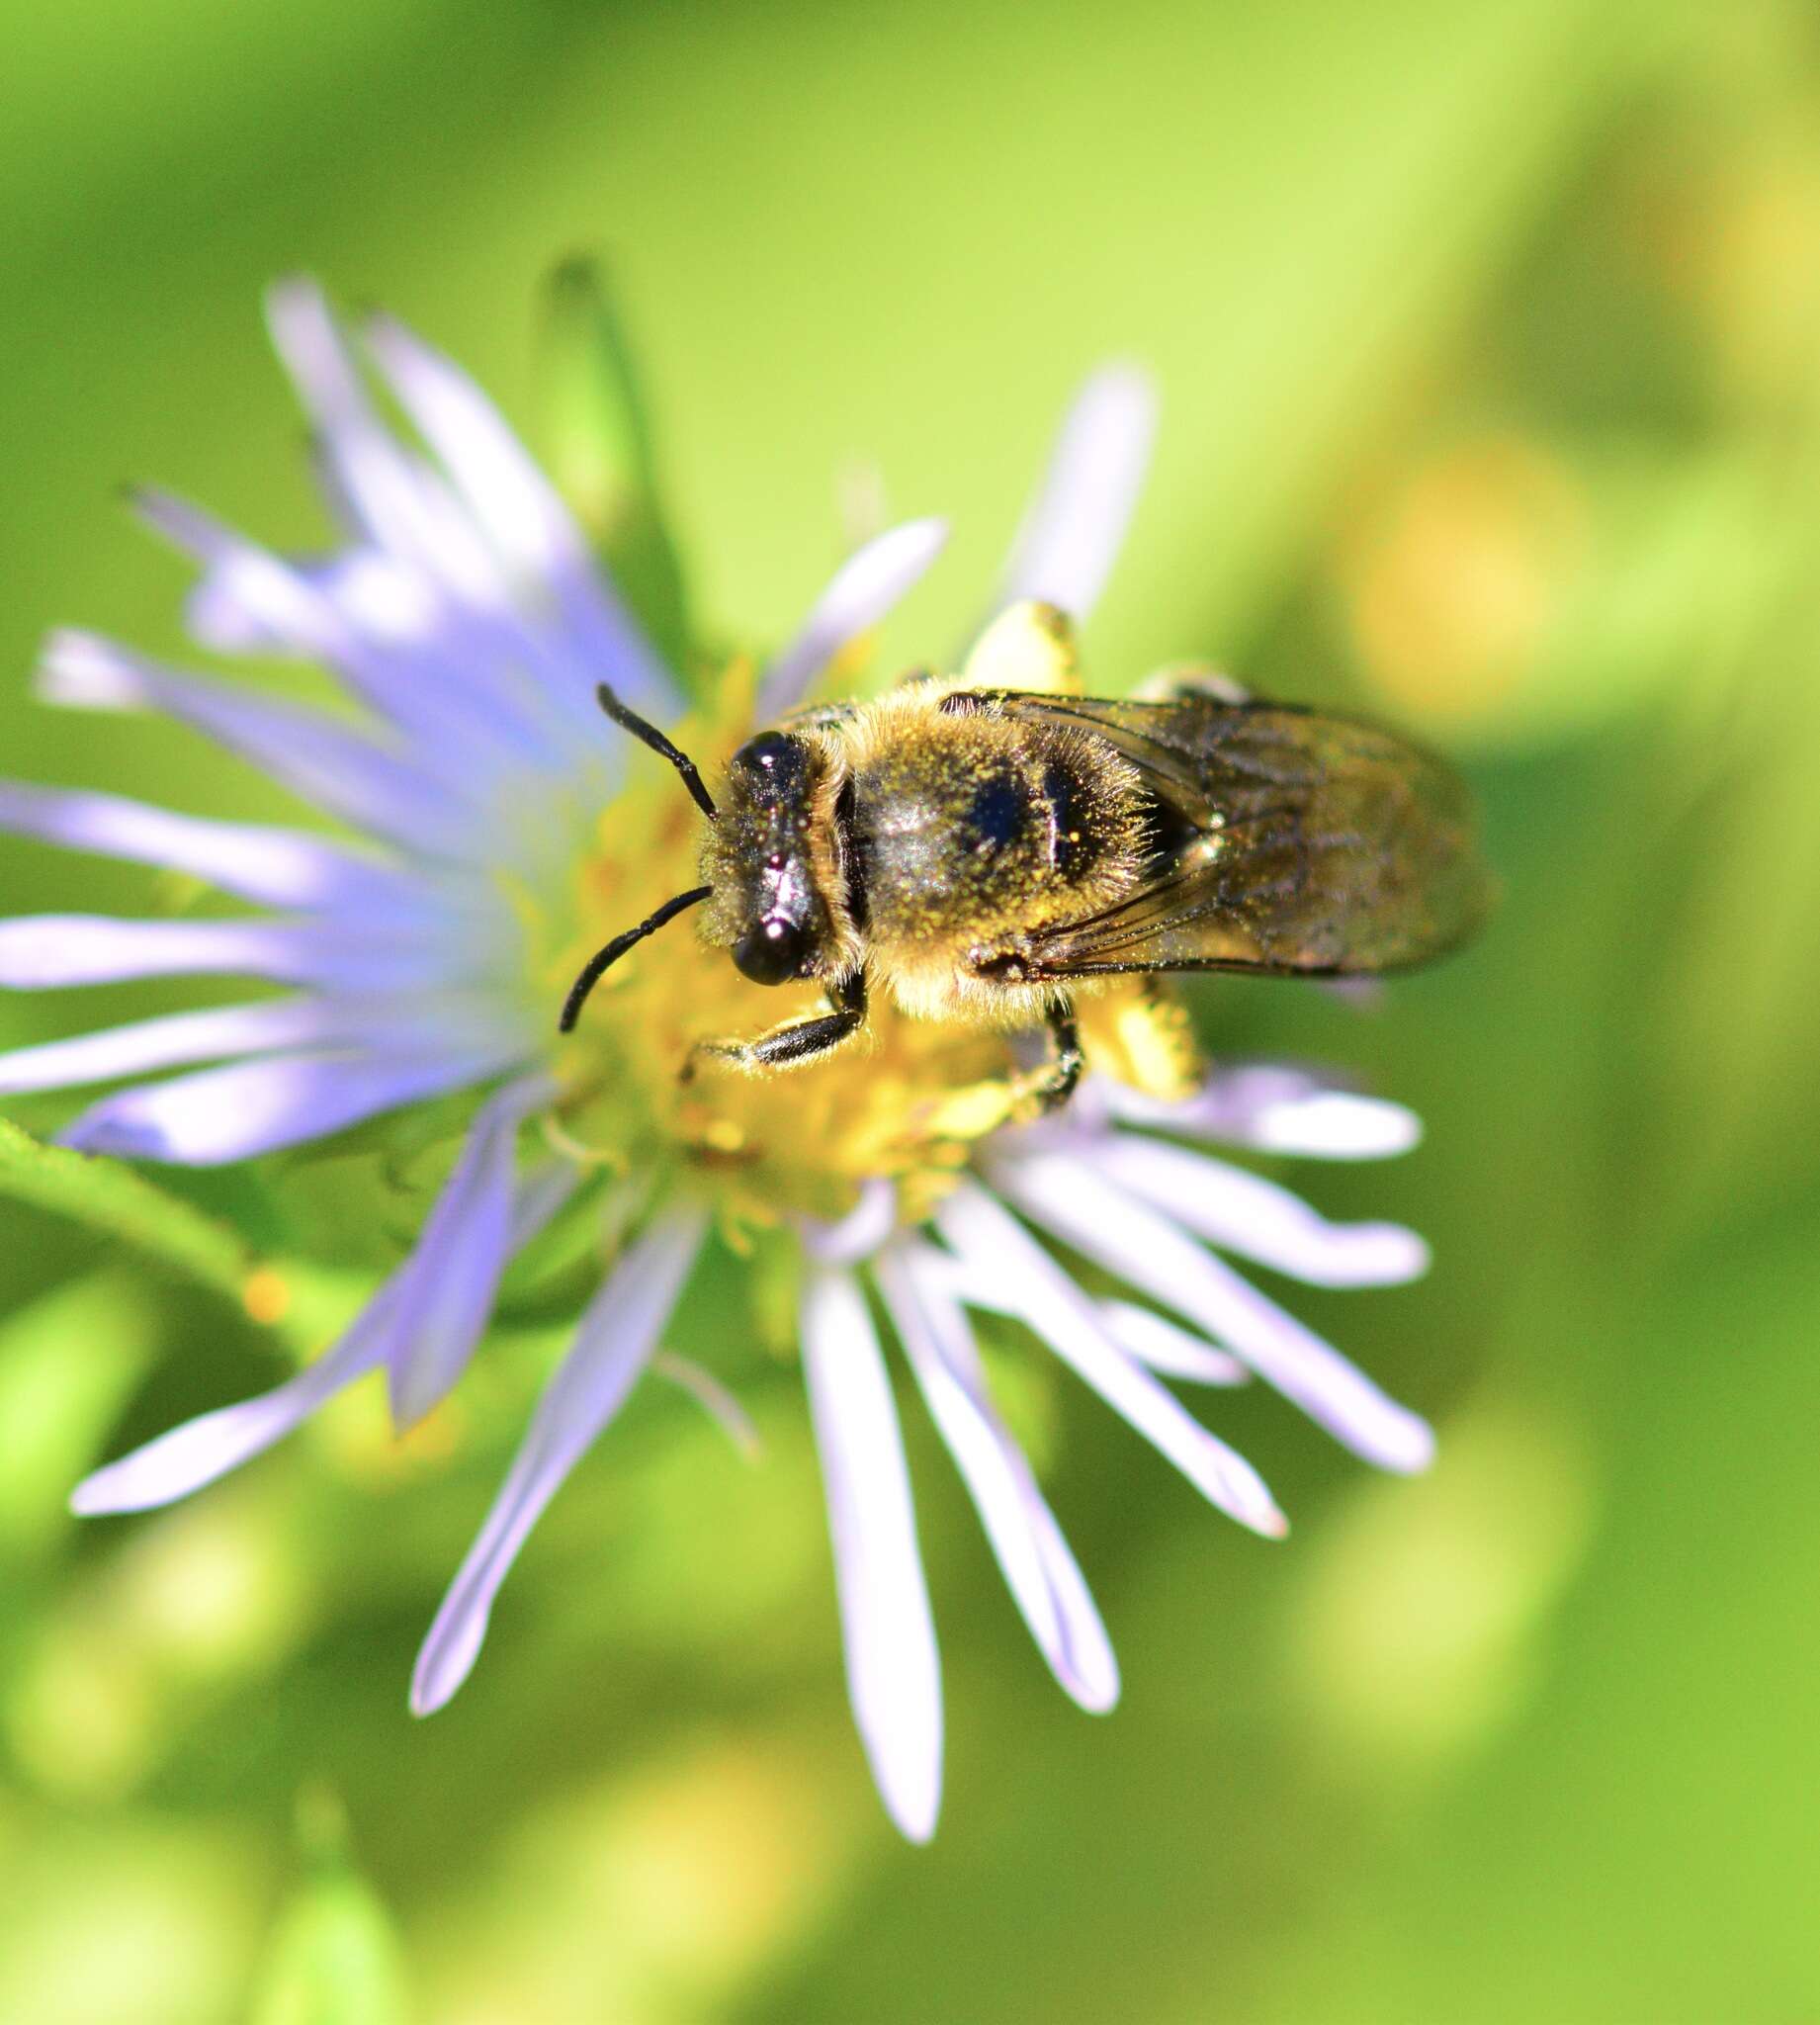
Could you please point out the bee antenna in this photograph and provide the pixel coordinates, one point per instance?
(648, 734)
(603, 960)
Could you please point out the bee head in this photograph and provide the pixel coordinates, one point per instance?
(758, 857)
(755, 861)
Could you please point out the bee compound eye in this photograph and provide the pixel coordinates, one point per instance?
(774, 766)
(772, 952)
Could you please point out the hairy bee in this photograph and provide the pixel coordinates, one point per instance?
(986, 852)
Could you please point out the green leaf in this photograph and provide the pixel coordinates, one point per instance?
(598, 442)
(335, 1956)
(110, 1197)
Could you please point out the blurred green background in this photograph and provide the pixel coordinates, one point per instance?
(1489, 335)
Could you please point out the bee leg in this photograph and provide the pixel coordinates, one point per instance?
(1018, 1098)
(797, 1041)
(1054, 1083)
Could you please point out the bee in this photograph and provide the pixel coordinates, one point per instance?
(987, 851)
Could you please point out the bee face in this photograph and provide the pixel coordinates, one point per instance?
(759, 858)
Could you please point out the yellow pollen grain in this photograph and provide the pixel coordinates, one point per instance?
(265, 1294)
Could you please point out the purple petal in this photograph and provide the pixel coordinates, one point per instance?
(424, 575)
(1164, 1345)
(390, 602)
(715, 1400)
(1041, 1573)
(1245, 1213)
(519, 509)
(1075, 526)
(372, 637)
(1140, 1333)
(456, 664)
(394, 1024)
(277, 598)
(445, 1293)
(863, 590)
(1063, 1316)
(1072, 1200)
(150, 1045)
(893, 1672)
(181, 1461)
(350, 775)
(389, 498)
(1276, 1109)
(543, 1189)
(51, 951)
(227, 1114)
(859, 1233)
(276, 867)
(198, 1452)
(612, 1343)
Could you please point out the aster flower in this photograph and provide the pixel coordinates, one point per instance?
(491, 831)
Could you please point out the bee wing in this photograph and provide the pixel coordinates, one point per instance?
(1283, 842)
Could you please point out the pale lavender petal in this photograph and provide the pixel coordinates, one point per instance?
(719, 1403)
(1276, 1108)
(1247, 1215)
(1072, 1200)
(863, 590)
(277, 597)
(445, 1293)
(373, 478)
(1165, 1347)
(392, 603)
(1074, 528)
(457, 729)
(349, 774)
(893, 1671)
(276, 867)
(543, 1189)
(451, 665)
(1044, 1581)
(1062, 1316)
(51, 951)
(519, 509)
(1140, 1333)
(180, 1037)
(393, 499)
(613, 1342)
(392, 1022)
(448, 610)
(483, 655)
(859, 1233)
(174, 1465)
(218, 1116)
